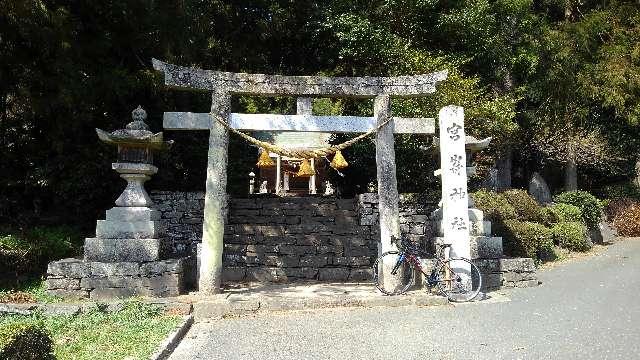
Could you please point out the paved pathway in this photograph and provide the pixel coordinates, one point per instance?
(585, 309)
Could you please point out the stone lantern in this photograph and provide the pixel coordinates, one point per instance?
(136, 145)
(130, 254)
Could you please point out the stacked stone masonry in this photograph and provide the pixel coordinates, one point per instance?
(291, 239)
(75, 278)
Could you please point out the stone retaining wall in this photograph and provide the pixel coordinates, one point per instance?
(289, 239)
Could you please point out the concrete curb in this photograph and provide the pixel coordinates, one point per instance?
(229, 307)
(166, 348)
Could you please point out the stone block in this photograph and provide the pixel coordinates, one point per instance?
(488, 265)
(114, 269)
(360, 274)
(69, 294)
(170, 266)
(296, 250)
(301, 273)
(63, 284)
(130, 282)
(314, 261)
(483, 247)
(161, 283)
(333, 274)
(107, 229)
(113, 293)
(61, 309)
(518, 276)
(266, 275)
(232, 274)
(517, 265)
(281, 261)
(491, 281)
(371, 198)
(72, 268)
(125, 250)
(132, 214)
(360, 261)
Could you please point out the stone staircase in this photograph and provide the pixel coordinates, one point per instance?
(296, 239)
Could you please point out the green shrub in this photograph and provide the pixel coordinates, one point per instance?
(590, 207)
(28, 252)
(526, 207)
(494, 205)
(527, 239)
(25, 341)
(571, 236)
(567, 212)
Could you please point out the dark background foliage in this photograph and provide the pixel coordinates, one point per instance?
(521, 69)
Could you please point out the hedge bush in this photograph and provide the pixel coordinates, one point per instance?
(28, 252)
(526, 207)
(557, 213)
(495, 206)
(624, 214)
(571, 236)
(25, 341)
(527, 239)
(590, 207)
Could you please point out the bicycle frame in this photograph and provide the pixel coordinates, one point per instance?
(431, 279)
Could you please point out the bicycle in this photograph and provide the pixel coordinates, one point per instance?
(456, 278)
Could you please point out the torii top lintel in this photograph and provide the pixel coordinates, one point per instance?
(280, 85)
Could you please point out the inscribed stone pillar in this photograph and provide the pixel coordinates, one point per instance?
(215, 199)
(455, 199)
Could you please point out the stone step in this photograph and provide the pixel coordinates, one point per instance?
(125, 250)
(483, 247)
(339, 228)
(129, 214)
(108, 229)
(292, 203)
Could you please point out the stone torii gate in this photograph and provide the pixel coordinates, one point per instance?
(223, 85)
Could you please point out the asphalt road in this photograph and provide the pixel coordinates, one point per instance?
(585, 309)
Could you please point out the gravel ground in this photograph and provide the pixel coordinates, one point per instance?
(586, 308)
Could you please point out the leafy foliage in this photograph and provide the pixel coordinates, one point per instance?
(571, 236)
(558, 213)
(28, 253)
(25, 341)
(527, 239)
(527, 208)
(494, 205)
(589, 206)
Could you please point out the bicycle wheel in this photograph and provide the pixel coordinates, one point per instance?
(459, 279)
(398, 276)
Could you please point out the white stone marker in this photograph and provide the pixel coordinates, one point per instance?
(455, 199)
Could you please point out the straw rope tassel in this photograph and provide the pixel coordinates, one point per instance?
(338, 162)
(305, 169)
(265, 160)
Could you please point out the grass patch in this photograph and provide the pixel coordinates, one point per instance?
(131, 333)
(32, 289)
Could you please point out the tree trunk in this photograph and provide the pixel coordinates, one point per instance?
(636, 181)
(503, 165)
(571, 174)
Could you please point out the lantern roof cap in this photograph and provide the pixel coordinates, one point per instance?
(135, 133)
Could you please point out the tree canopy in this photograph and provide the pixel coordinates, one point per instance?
(522, 69)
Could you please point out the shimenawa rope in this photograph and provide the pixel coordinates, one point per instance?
(304, 154)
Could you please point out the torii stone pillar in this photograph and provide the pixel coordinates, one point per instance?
(215, 200)
(388, 197)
